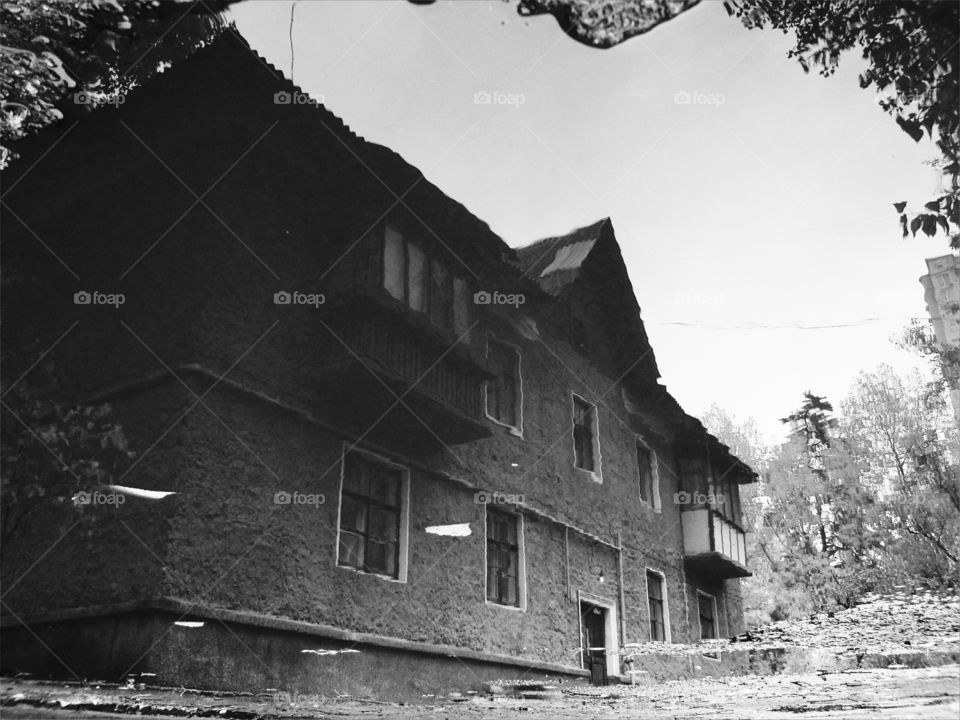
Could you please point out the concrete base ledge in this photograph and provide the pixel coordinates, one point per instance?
(243, 651)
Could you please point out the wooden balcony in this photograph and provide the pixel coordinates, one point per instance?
(396, 380)
(713, 546)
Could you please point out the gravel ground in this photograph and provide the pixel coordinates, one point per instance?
(928, 693)
(896, 623)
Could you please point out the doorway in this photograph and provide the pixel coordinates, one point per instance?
(593, 641)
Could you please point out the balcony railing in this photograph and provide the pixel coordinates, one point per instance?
(393, 377)
(713, 545)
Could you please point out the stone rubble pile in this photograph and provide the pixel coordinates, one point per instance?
(902, 620)
(898, 620)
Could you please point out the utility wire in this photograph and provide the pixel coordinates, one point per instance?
(786, 326)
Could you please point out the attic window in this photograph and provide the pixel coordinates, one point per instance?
(422, 281)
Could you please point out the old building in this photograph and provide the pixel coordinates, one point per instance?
(377, 449)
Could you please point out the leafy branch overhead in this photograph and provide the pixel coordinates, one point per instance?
(64, 57)
(910, 46)
(911, 50)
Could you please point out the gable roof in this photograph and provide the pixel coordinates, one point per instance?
(555, 262)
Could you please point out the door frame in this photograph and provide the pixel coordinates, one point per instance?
(610, 629)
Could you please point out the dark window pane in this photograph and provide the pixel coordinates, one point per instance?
(351, 549)
(441, 296)
(416, 278)
(353, 514)
(380, 557)
(583, 432)
(503, 558)
(383, 524)
(503, 393)
(354, 476)
(394, 265)
(645, 463)
(655, 602)
(384, 486)
(707, 621)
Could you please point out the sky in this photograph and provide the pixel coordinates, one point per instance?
(752, 202)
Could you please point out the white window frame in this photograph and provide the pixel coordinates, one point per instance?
(597, 473)
(667, 635)
(513, 429)
(611, 630)
(716, 618)
(521, 562)
(654, 501)
(403, 535)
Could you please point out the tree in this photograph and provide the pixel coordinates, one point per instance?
(911, 52)
(51, 453)
(60, 56)
(908, 447)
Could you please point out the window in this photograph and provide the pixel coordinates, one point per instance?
(372, 525)
(504, 395)
(504, 569)
(708, 616)
(657, 601)
(649, 475)
(425, 284)
(726, 499)
(585, 436)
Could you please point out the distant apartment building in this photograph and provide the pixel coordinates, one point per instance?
(941, 291)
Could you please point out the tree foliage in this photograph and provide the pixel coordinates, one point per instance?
(51, 452)
(68, 56)
(910, 47)
(854, 501)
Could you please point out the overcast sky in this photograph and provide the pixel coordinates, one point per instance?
(764, 201)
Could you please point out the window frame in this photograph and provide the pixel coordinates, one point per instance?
(654, 501)
(521, 605)
(518, 385)
(596, 473)
(403, 527)
(431, 257)
(665, 603)
(716, 621)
